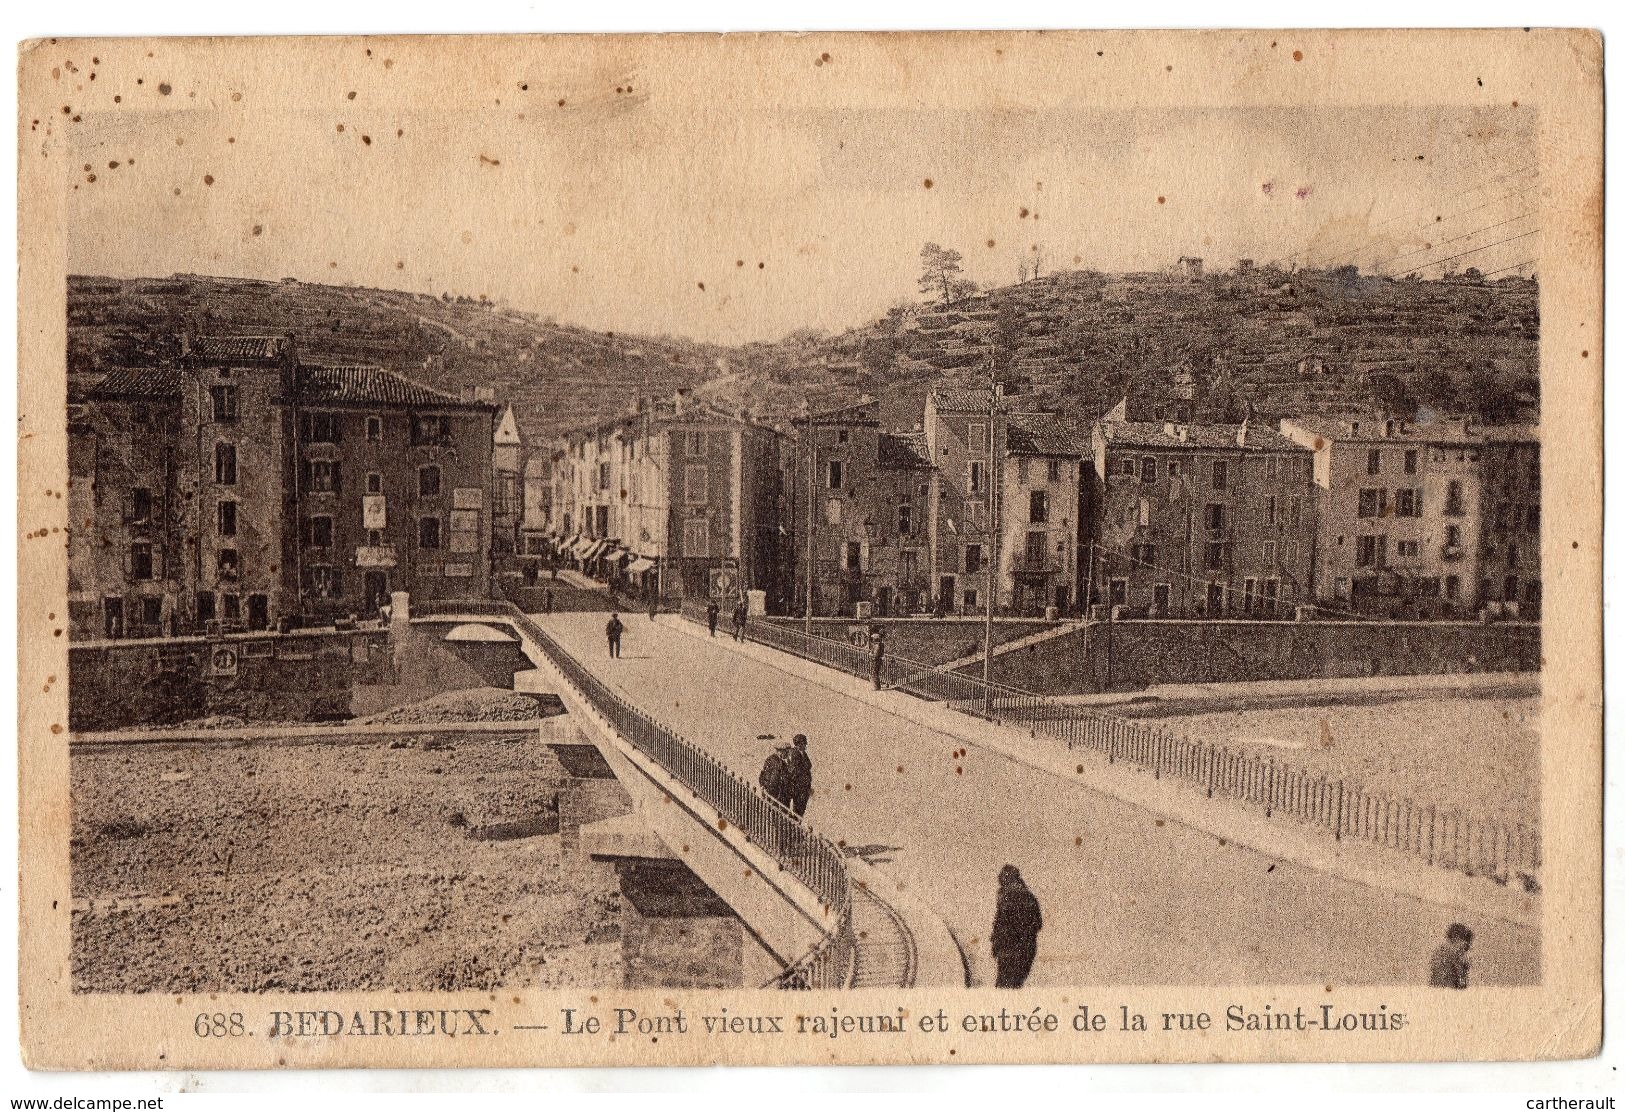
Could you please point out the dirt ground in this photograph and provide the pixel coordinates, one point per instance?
(1477, 755)
(423, 862)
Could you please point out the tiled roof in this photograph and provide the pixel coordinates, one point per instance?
(957, 400)
(1046, 434)
(841, 410)
(1373, 430)
(371, 385)
(138, 382)
(1152, 434)
(904, 451)
(238, 349)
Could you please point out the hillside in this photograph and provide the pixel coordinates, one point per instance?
(1305, 342)
(555, 376)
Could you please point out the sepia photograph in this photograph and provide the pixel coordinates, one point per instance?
(672, 520)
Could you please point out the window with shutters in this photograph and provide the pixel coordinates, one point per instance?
(225, 563)
(1144, 555)
(976, 436)
(1214, 555)
(375, 428)
(140, 561)
(976, 477)
(319, 531)
(905, 520)
(1410, 461)
(323, 476)
(428, 481)
(223, 402)
(1148, 469)
(225, 519)
(140, 505)
(1221, 474)
(375, 482)
(1269, 510)
(835, 474)
(1373, 461)
(429, 430)
(973, 559)
(1038, 507)
(320, 428)
(694, 444)
(232, 607)
(1213, 517)
(1126, 466)
(1054, 470)
(225, 464)
(697, 538)
(696, 484)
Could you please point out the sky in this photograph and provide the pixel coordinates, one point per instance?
(644, 204)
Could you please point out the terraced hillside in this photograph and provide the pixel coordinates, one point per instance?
(1311, 341)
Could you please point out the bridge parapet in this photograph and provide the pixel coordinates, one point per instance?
(802, 853)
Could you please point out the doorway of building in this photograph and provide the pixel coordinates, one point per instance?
(375, 587)
(259, 612)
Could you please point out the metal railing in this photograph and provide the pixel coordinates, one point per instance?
(1441, 837)
(806, 855)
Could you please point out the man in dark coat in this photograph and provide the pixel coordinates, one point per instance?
(739, 621)
(1016, 924)
(1450, 965)
(613, 630)
(776, 774)
(712, 613)
(877, 649)
(800, 765)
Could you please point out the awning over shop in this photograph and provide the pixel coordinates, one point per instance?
(639, 566)
(616, 554)
(594, 549)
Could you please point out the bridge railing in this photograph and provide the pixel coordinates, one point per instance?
(809, 857)
(1438, 835)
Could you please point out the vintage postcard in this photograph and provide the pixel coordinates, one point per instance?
(831, 548)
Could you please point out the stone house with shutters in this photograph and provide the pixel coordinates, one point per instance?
(1213, 520)
(239, 488)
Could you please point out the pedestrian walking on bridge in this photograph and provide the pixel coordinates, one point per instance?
(1016, 924)
(877, 649)
(775, 777)
(800, 765)
(712, 612)
(739, 621)
(613, 630)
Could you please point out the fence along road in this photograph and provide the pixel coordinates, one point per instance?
(1509, 853)
(1127, 896)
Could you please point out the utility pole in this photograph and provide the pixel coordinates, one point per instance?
(995, 481)
(812, 479)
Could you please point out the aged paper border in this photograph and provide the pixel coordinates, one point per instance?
(1558, 72)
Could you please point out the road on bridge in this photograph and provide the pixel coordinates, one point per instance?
(1128, 895)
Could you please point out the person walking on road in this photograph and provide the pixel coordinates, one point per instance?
(712, 612)
(776, 773)
(654, 605)
(613, 630)
(547, 601)
(1016, 924)
(800, 785)
(1450, 965)
(877, 649)
(739, 621)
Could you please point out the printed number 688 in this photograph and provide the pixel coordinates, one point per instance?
(218, 1025)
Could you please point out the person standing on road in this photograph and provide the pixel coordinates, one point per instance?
(800, 780)
(1016, 924)
(654, 605)
(712, 612)
(1450, 965)
(739, 621)
(613, 630)
(547, 601)
(877, 649)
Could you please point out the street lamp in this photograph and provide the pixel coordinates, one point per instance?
(995, 483)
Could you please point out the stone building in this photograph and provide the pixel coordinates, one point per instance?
(1041, 520)
(1432, 520)
(1200, 520)
(869, 498)
(671, 493)
(242, 487)
(965, 434)
(507, 486)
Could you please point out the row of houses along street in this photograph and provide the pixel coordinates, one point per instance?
(248, 487)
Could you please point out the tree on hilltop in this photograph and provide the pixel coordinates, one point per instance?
(940, 268)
